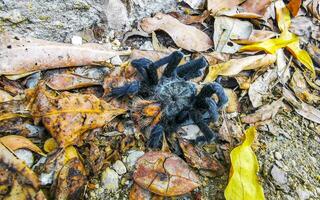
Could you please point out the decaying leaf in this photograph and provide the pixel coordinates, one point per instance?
(70, 81)
(243, 180)
(165, 174)
(215, 5)
(299, 85)
(185, 36)
(200, 159)
(14, 142)
(302, 108)
(283, 69)
(266, 112)
(314, 8)
(234, 66)
(83, 111)
(259, 89)
(20, 55)
(138, 193)
(254, 6)
(294, 6)
(7, 158)
(227, 29)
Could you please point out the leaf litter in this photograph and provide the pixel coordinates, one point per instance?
(96, 141)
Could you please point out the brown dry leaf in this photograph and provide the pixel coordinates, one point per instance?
(151, 55)
(70, 81)
(83, 111)
(227, 29)
(234, 66)
(195, 4)
(266, 112)
(7, 158)
(229, 131)
(302, 108)
(20, 55)
(314, 8)
(239, 13)
(215, 5)
(294, 6)
(257, 36)
(71, 180)
(216, 57)
(190, 19)
(5, 96)
(232, 101)
(314, 52)
(14, 142)
(258, 7)
(185, 36)
(299, 86)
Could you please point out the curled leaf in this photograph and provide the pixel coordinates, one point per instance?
(215, 5)
(185, 36)
(254, 6)
(14, 142)
(243, 181)
(294, 6)
(234, 66)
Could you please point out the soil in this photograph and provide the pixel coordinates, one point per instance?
(288, 146)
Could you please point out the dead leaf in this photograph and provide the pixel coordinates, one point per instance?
(294, 6)
(230, 131)
(70, 81)
(151, 55)
(259, 89)
(185, 36)
(258, 7)
(14, 142)
(83, 111)
(234, 66)
(302, 108)
(314, 51)
(257, 36)
(232, 105)
(266, 112)
(314, 8)
(283, 69)
(7, 158)
(226, 30)
(5, 96)
(24, 55)
(239, 13)
(50, 145)
(195, 4)
(215, 5)
(190, 19)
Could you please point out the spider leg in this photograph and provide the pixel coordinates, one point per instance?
(173, 60)
(208, 134)
(128, 89)
(192, 69)
(141, 65)
(207, 91)
(155, 140)
(213, 109)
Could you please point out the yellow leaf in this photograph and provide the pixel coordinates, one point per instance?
(50, 145)
(282, 16)
(14, 142)
(70, 153)
(243, 182)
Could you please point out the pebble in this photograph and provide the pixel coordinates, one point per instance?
(76, 40)
(46, 178)
(110, 180)
(278, 155)
(119, 167)
(190, 132)
(303, 194)
(117, 15)
(279, 175)
(116, 60)
(25, 155)
(133, 156)
(146, 46)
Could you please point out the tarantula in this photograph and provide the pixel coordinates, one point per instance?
(177, 95)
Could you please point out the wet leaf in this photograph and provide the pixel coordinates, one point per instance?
(254, 6)
(14, 142)
(243, 180)
(226, 30)
(165, 174)
(70, 81)
(234, 66)
(185, 36)
(294, 6)
(29, 55)
(215, 5)
(83, 111)
(266, 112)
(7, 158)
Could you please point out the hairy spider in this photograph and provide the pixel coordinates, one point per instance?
(176, 94)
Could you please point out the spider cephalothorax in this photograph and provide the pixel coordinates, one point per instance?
(177, 95)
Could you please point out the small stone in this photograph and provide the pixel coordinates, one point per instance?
(110, 179)
(303, 194)
(278, 155)
(119, 167)
(190, 132)
(117, 15)
(146, 46)
(46, 178)
(76, 40)
(116, 60)
(132, 158)
(25, 155)
(279, 175)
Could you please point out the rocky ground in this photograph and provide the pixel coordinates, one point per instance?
(288, 146)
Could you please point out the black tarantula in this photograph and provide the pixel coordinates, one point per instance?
(177, 95)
